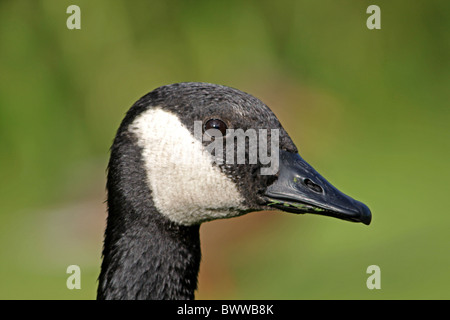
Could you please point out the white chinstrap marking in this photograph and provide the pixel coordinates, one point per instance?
(185, 187)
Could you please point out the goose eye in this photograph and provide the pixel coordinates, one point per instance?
(216, 124)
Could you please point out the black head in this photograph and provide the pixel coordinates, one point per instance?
(213, 152)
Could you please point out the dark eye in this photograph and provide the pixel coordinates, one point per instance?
(216, 124)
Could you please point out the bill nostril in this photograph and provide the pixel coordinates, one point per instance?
(311, 185)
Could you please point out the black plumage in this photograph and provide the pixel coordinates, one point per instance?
(148, 256)
(145, 255)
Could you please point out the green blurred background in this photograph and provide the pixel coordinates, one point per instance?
(369, 109)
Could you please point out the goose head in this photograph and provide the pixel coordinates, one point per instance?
(188, 153)
(190, 183)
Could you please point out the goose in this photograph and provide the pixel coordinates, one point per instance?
(163, 182)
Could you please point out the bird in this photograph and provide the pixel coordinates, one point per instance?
(164, 179)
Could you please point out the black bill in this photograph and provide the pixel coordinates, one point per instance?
(301, 189)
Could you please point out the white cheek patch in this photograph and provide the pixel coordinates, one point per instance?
(185, 185)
